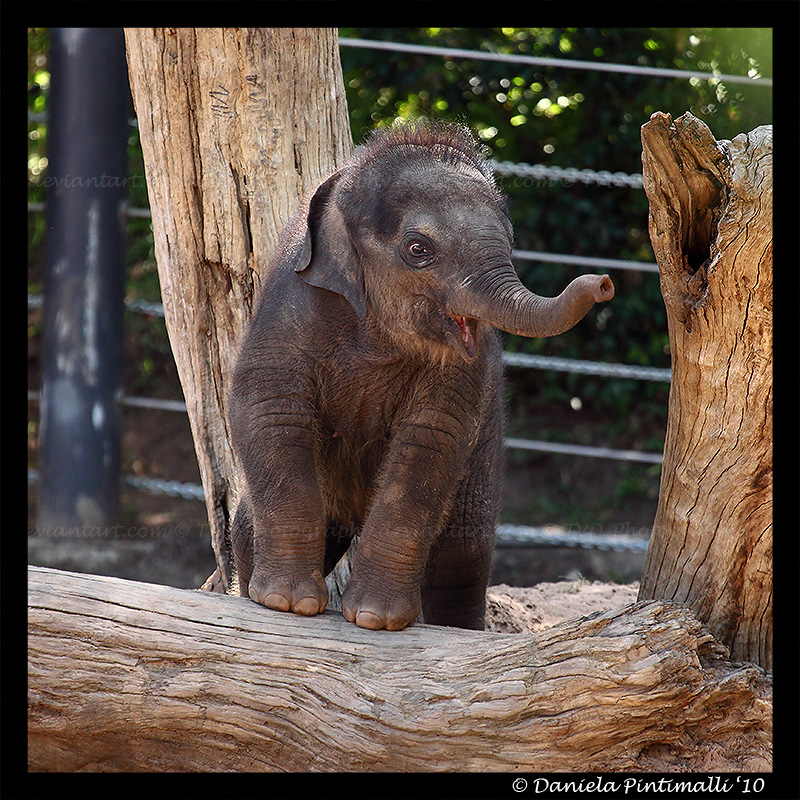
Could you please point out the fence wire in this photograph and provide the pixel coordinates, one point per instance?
(553, 536)
(605, 370)
(567, 175)
(590, 262)
(507, 535)
(549, 61)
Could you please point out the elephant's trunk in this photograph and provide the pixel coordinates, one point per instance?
(505, 303)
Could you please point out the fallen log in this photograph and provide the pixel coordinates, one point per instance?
(139, 677)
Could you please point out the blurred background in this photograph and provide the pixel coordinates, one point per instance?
(586, 410)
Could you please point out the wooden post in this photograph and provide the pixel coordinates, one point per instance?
(132, 676)
(236, 125)
(711, 229)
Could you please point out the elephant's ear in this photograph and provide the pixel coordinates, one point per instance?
(327, 258)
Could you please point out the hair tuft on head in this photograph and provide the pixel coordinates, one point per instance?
(451, 142)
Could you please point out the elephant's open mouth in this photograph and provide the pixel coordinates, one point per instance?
(467, 329)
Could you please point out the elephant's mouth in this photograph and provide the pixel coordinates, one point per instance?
(467, 329)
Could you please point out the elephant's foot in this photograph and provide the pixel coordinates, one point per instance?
(377, 608)
(303, 594)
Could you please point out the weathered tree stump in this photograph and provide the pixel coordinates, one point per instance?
(711, 229)
(138, 677)
(236, 125)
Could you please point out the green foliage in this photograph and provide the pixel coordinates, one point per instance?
(38, 84)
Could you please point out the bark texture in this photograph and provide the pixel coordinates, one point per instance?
(138, 677)
(236, 124)
(711, 230)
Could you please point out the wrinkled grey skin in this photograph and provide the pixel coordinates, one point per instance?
(367, 395)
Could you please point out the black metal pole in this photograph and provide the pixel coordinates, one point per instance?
(79, 439)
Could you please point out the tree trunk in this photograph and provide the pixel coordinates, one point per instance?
(711, 229)
(236, 125)
(133, 676)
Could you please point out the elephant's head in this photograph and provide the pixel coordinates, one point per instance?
(415, 234)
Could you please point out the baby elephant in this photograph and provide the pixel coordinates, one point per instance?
(366, 398)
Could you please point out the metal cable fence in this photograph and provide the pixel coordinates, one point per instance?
(507, 535)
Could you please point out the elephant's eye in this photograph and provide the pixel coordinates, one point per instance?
(418, 252)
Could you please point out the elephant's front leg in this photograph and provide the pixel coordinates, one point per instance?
(421, 472)
(274, 440)
(289, 546)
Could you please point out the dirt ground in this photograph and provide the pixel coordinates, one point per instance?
(518, 609)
